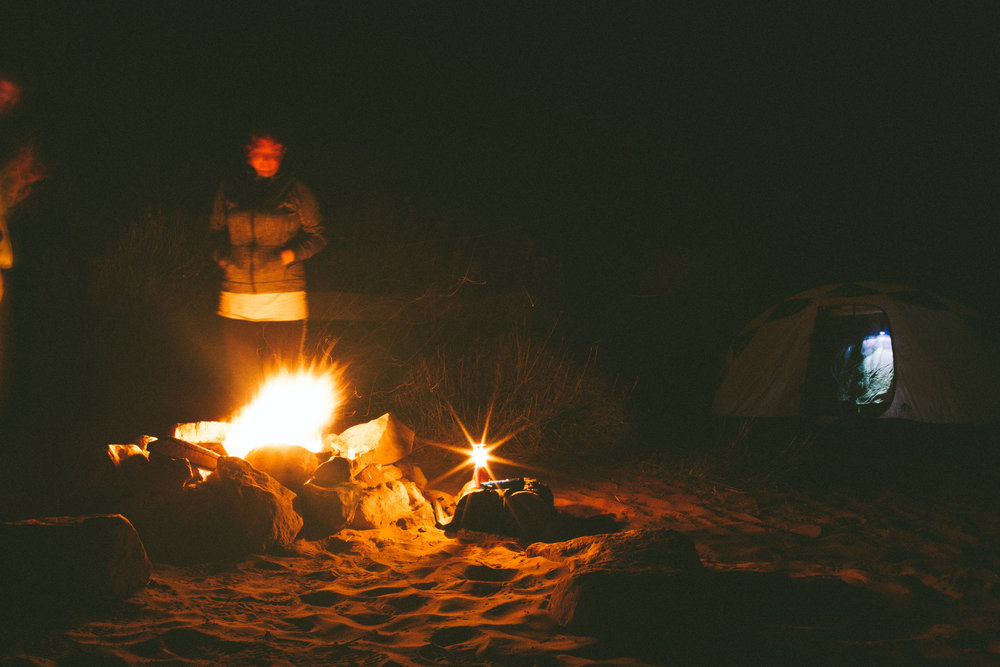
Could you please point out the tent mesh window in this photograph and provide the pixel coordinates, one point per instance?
(851, 366)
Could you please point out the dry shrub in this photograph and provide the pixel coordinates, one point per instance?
(512, 384)
(157, 263)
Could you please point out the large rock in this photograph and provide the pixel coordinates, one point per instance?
(238, 510)
(289, 464)
(55, 561)
(382, 441)
(258, 505)
(327, 509)
(635, 586)
(628, 549)
(641, 604)
(395, 502)
(105, 479)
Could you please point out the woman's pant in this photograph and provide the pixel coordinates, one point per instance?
(256, 349)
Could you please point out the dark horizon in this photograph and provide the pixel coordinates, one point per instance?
(851, 144)
(689, 166)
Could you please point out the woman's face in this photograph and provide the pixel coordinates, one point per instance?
(265, 155)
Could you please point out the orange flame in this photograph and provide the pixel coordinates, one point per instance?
(291, 408)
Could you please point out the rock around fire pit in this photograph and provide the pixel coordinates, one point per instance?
(190, 502)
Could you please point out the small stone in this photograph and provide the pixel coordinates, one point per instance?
(166, 474)
(337, 470)
(376, 474)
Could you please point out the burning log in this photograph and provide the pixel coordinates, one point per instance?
(202, 432)
(182, 449)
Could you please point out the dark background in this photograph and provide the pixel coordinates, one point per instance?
(688, 164)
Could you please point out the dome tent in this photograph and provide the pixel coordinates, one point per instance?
(864, 348)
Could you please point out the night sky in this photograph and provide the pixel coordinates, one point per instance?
(690, 161)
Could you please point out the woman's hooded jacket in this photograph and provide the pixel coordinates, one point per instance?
(253, 220)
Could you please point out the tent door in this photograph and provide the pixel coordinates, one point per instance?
(851, 369)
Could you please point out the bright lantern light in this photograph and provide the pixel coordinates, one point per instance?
(480, 457)
(480, 460)
(291, 408)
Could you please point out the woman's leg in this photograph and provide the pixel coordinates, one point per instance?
(284, 343)
(244, 343)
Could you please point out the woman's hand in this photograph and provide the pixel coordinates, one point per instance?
(287, 257)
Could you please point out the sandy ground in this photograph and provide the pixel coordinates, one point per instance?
(892, 579)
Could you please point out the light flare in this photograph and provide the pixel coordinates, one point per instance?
(479, 451)
(480, 457)
(480, 464)
(291, 408)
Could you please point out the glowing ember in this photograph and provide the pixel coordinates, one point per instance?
(290, 409)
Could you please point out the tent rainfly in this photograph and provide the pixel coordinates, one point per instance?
(864, 348)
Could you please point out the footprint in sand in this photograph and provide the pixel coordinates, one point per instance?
(323, 598)
(371, 618)
(381, 591)
(408, 603)
(504, 609)
(487, 573)
(188, 642)
(303, 623)
(453, 635)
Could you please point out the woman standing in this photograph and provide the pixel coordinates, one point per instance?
(265, 223)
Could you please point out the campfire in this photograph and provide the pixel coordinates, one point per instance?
(277, 471)
(291, 408)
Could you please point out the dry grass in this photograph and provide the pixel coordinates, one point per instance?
(157, 262)
(544, 400)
